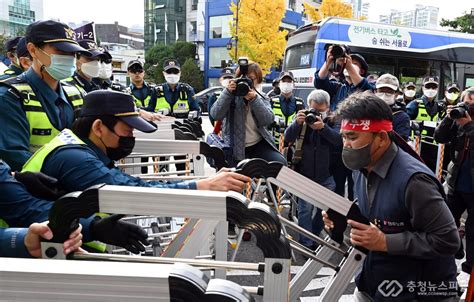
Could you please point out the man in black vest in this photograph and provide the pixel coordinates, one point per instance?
(412, 237)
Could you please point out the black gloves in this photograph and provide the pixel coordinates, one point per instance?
(111, 230)
(40, 185)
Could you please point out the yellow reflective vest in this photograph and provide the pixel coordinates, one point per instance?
(42, 130)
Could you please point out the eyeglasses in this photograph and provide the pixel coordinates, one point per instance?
(172, 71)
(431, 86)
(133, 70)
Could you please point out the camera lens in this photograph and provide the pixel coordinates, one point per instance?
(338, 51)
(457, 113)
(310, 119)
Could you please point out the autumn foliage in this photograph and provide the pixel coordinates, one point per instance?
(259, 35)
(328, 8)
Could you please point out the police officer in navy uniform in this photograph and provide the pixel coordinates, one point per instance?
(36, 106)
(426, 107)
(22, 57)
(102, 134)
(104, 80)
(14, 68)
(143, 93)
(87, 68)
(175, 96)
(21, 206)
(227, 74)
(285, 106)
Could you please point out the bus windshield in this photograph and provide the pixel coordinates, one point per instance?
(299, 56)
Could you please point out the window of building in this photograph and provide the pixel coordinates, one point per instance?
(219, 27)
(193, 27)
(216, 55)
(194, 4)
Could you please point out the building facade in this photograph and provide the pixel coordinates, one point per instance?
(165, 21)
(206, 24)
(118, 34)
(422, 17)
(217, 34)
(16, 15)
(360, 9)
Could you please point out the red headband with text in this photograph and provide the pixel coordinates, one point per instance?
(366, 125)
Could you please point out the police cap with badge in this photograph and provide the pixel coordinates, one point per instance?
(171, 66)
(114, 103)
(94, 50)
(135, 66)
(54, 33)
(21, 50)
(227, 73)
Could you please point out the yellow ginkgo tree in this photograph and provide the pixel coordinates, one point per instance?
(257, 28)
(328, 8)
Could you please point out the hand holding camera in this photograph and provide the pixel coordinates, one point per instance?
(460, 113)
(312, 117)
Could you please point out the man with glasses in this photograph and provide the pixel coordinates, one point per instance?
(36, 106)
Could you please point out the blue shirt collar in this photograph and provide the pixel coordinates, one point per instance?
(132, 86)
(100, 154)
(43, 89)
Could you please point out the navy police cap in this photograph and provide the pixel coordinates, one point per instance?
(171, 64)
(227, 72)
(11, 44)
(54, 33)
(21, 50)
(114, 103)
(92, 48)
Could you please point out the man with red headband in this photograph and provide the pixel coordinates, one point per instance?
(412, 236)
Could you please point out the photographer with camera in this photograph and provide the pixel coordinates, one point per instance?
(352, 66)
(319, 136)
(285, 106)
(246, 116)
(457, 130)
(387, 86)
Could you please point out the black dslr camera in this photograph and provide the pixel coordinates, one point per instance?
(244, 84)
(459, 111)
(311, 115)
(339, 51)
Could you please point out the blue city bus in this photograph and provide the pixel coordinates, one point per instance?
(406, 52)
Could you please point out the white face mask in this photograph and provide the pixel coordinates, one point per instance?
(91, 69)
(452, 96)
(286, 87)
(225, 83)
(430, 93)
(410, 93)
(324, 114)
(172, 78)
(105, 71)
(386, 97)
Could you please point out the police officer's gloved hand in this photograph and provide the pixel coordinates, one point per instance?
(112, 230)
(40, 185)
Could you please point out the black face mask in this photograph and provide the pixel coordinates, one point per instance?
(125, 147)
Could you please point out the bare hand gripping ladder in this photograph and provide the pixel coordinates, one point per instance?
(339, 210)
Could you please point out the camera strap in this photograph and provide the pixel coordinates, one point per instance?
(299, 145)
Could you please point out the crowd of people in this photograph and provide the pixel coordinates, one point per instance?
(66, 123)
